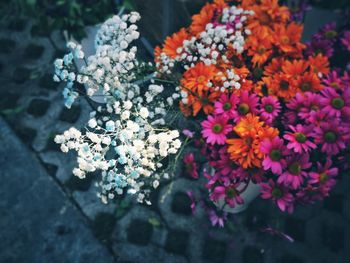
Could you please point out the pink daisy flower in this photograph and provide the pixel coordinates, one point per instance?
(325, 175)
(274, 151)
(299, 138)
(294, 174)
(226, 104)
(217, 218)
(336, 104)
(247, 104)
(279, 194)
(310, 103)
(332, 136)
(269, 109)
(332, 80)
(346, 40)
(228, 193)
(190, 165)
(310, 194)
(317, 117)
(215, 129)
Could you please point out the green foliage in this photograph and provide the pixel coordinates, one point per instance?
(70, 16)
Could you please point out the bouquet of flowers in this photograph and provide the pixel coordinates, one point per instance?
(271, 110)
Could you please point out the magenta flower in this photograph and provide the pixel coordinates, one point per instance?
(190, 195)
(346, 40)
(295, 172)
(217, 219)
(317, 46)
(299, 138)
(332, 80)
(332, 136)
(310, 103)
(247, 104)
(328, 32)
(215, 129)
(190, 165)
(325, 175)
(228, 193)
(336, 103)
(188, 133)
(279, 194)
(269, 109)
(310, 194)
(274, 151)
(226, 105)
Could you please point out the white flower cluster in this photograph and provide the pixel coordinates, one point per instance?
(211, 45)
(126, 138)
(112, 69)
(127, 144)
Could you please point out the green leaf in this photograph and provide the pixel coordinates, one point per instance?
(129, 5)
(12, 111)
(154, 222)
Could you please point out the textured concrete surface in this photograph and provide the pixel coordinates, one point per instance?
(38, 222)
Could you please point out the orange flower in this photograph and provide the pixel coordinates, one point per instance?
(294, 68)
(273, 67)
(266, 14)
(245, 151)
(259, 46)
(196, 78)
(309, 82)
(319, 64)
(174, 42)
(287, 38)
(202, 102)
(199, 21)
(249, 125)
(280, 85)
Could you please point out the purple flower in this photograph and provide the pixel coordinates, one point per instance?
(217, 219)
(295, 172)
(269, 109)
(274, 151)
(332, 136)
(345, 40)
(278, 194)
(299, 138)
(336, 103)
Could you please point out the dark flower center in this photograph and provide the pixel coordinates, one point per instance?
(261, 50)
(258, 72)
(335, 85)
(265, 18)
(305, 86)
(294, 168)
(277, 192)
(243, 108)
(248, 141)
(330, 137)
(205, 100)
(227, 106)
(285, 40)
(230, 192)
(323, 177)
(284, 85)
(330, 34)
(269, 108)
(275, 155)
(217, 128)
(300, 137)
(338, 103)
